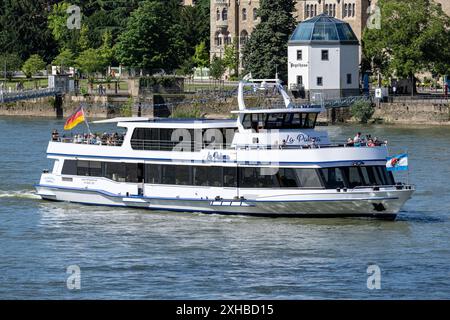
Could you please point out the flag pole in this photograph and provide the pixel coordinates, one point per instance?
(85, 121)
(407, 175)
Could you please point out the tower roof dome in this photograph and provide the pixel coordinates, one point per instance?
(324, 29)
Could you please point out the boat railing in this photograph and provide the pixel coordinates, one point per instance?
(398, 186)
(167, 145)
(195, 146)
(113, 142)
(304, 146)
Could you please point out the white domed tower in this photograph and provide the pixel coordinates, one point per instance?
(323, 57)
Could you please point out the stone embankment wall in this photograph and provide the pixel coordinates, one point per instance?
(409, 112)
(435, 113)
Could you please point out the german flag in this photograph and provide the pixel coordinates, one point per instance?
(75, 119)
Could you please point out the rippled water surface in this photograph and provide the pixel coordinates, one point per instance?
(133, 254)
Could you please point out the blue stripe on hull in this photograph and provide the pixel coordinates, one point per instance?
(201, 161)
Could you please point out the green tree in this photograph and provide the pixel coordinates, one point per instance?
(217, 68)
(196, 25)
(83, 40)
(266, 50)
(362, 111)
(10, 62)
(201, 56)
(152, 39)
(65, 58)
(33, 65)
(414, 36)
(91, 61)
(23, 29)
(231, 58)
(107, 50)
(57, 24)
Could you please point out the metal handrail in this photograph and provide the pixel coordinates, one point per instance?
(90, 141)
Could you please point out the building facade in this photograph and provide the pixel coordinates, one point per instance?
(232, 21)
(323, 58)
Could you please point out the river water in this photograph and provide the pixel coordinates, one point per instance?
(137, 254)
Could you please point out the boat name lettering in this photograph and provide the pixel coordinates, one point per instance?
(217, 156)
(301, 138)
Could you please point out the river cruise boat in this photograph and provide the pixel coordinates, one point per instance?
(266, 162)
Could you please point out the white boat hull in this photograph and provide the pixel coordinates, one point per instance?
(378, 204)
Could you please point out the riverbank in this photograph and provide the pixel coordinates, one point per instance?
(193, 105)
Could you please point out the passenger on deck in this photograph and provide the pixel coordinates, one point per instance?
(370, 143)
(377, 142)
(55, 135)
(350, 142)
(357, 140)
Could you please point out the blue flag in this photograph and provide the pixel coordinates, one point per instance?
(397, 163)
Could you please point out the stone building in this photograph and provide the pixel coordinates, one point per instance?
(232, 21)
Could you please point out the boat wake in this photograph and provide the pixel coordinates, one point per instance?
(21, 194)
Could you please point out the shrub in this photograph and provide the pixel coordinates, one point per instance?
(126, 109)
(189, 112)
(362, 111)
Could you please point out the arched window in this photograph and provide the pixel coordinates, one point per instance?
(334, 10)
(218, 38)
(255, 14)
(345, 10)
(307, 11)
(326, 9)
(227, 38)
(244, 37)
(315, 10)
(353, 11)
(244, 14)
(218, 14)
(349, 12)
(225, 14)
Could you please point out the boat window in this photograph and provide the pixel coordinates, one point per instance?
(275, 121)
(116, 171)
(132, 173)
(229, 177)
(308, 178)
(287, 178)
(153, 173)
(70, 167)
(215, 177)
(333, 178)
(201, 176)
(351, 177)
(184, 139)
(82, 168)
(310, 120)
(280, 121)
(354, 176)
(95, 168)
(182, 174)
(247, 121)
(168, 175)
